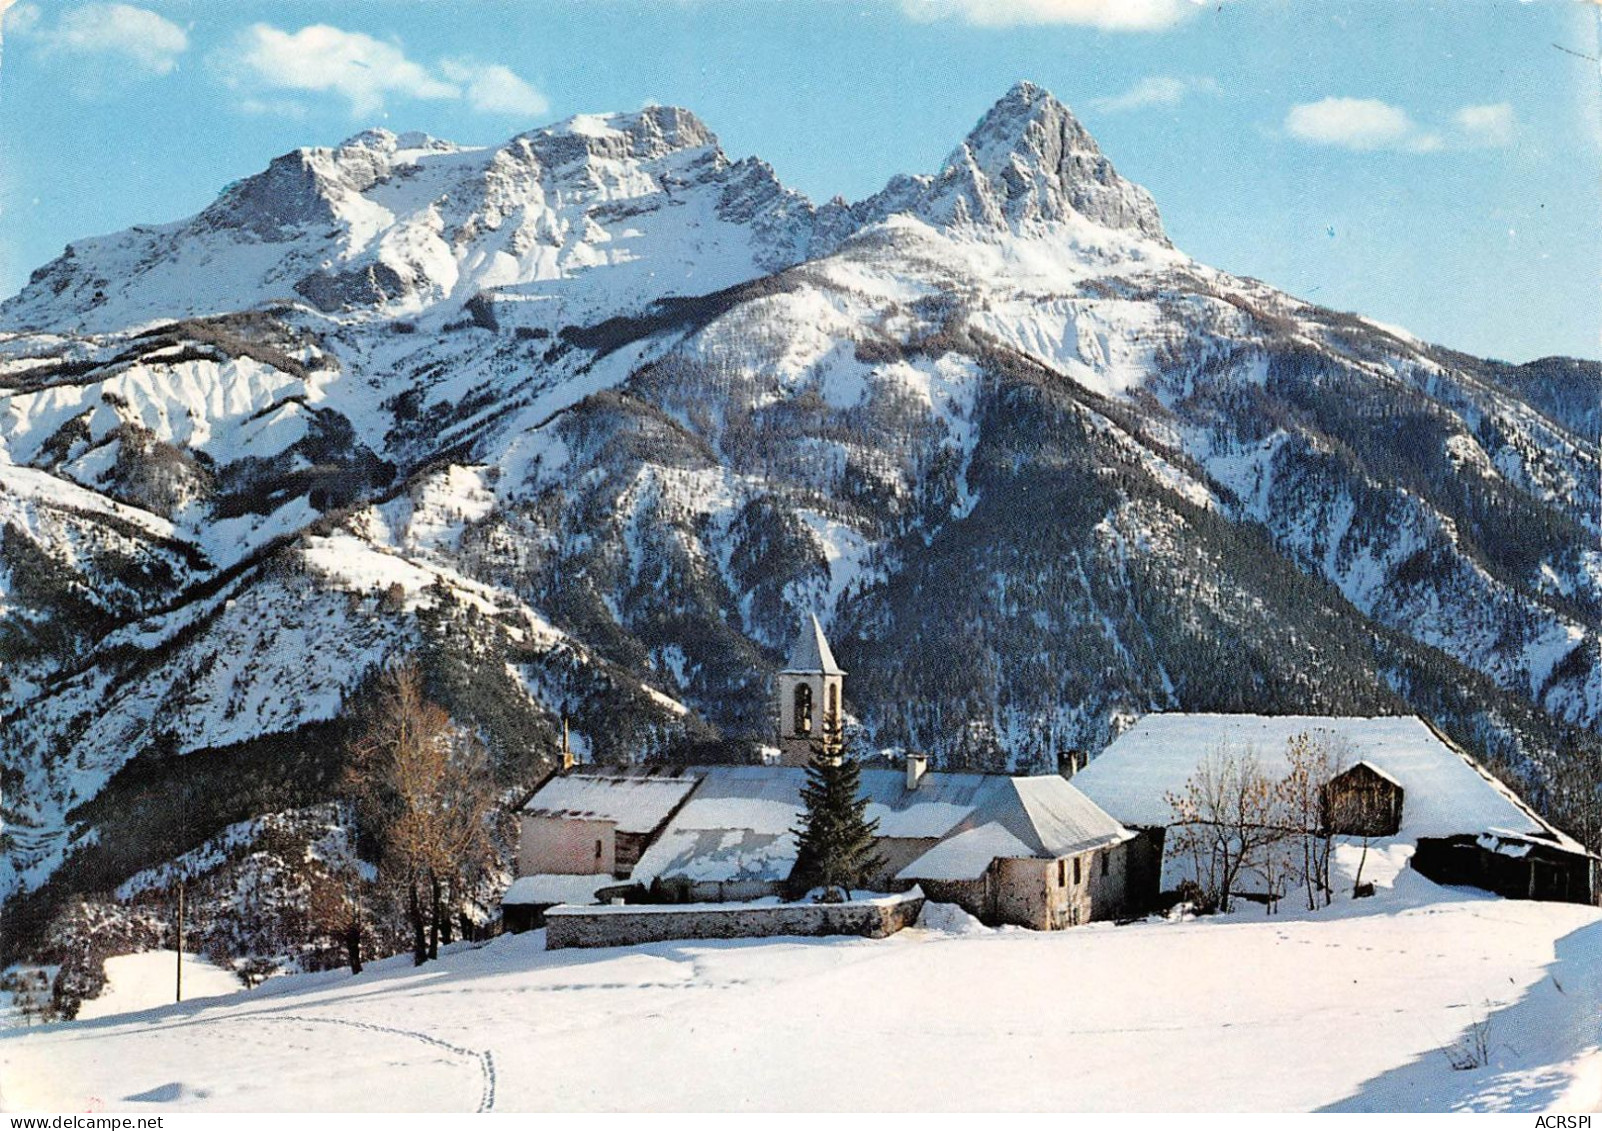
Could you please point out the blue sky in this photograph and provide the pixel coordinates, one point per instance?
(1430, 165)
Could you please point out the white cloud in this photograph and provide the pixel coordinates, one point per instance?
(1491, 125)
(1352, 123)
(18, 19)
(493, 89)
(1107, 15)
(1156, 90)
(1359, 123)
(139, 36)
(1369, 124)
(322, 59)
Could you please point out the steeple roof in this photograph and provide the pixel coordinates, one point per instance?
(811, 652)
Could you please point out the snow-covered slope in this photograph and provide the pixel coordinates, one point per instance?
(590, 419)
(1357, 1008)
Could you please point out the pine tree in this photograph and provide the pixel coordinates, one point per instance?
(835, 842)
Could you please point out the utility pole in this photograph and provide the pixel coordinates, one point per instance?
(180, 984)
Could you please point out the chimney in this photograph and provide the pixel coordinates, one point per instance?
(1070, 762)
(917, 766)
(567, 751)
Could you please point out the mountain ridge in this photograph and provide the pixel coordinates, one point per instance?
(590, 419)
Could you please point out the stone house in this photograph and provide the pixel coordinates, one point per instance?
(1032, 851)
(1039, 855)
(583, 830)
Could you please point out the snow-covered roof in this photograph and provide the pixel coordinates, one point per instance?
(811, 652)
(735, 827)
(636, 798)
(941, 802)
(547, 887)
(1375, 770)
(1063, 819)
(738, 824)
(965, 856)
(1446, 791)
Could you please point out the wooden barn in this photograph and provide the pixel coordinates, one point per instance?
(1363, 801)
(1514, 865)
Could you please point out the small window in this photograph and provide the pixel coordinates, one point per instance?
(1076, 869)
(1062, 873)
(803, 709)
(1105, 856)
(597, 849)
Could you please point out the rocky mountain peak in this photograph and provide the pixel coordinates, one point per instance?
(644, 135)
(1030, 159)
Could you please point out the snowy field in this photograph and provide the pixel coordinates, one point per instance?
(143, 981)
(1349, 1009)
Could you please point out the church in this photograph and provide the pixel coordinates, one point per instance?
(1027, 850)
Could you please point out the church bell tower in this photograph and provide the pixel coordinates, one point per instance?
(811, 694)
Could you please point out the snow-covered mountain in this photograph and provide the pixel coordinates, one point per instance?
(588, 420)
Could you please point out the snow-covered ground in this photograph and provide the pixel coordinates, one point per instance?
(143, 981)
(1350, 1008)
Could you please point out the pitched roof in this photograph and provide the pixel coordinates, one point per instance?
(1447, 792)
(1373, 769)
(1064, 821)
(737, 825)
(548, 888)
(1041, 817)
(811, 652)
(965, 856)
(636, 798)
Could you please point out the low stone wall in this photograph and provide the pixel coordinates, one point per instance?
(626, 926)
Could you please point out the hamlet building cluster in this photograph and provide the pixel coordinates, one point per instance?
(1037, 851)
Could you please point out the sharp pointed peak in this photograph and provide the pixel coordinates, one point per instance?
(811, 653)
(1023, 92)
(1028, 159)
(1010, 126)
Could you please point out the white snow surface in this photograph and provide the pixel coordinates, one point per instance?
(136, 982)
(1346, 1009)
(965, 856)
(638, 801)
(547, 887)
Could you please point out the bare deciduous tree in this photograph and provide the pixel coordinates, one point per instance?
(1312, 760)
(1226, 818)
(422, 789)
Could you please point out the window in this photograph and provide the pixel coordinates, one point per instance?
(1076, 869)
(597, 849)
(803, 709)
(1105, 856)
(834, 704)
(1062, 873)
